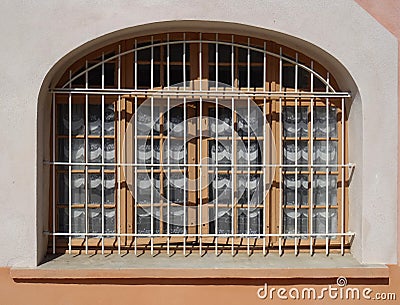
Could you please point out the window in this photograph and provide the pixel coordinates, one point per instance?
(191, 142)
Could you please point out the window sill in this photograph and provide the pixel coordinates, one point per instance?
(112, 267)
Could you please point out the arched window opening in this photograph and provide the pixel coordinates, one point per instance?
(190, 142)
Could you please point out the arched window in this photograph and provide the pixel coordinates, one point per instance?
(197, 142)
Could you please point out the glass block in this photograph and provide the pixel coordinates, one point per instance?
(224, 153)
(222, 124)
(320, 122)
(174, 187)
(77, 121)
(77, 151)
(323, 151)
(77, 188)
(224, 186)
(289, 220)
(143, 219)
(224, 220)
(109, 119)
(94, 119)
(109, 221)
(175, 154)
(246, 156)
(175, 220)
(145, 186)
(290, 155)
(320, 187)
(289, 190)
(289, 121)
(109, 188)
(145, 122)
(319, 221)
(94, 220)
(255, 218)
(254, 124)
(94, 151)
(174, 124)
(109, 151)
(249, 189)
(94, 188)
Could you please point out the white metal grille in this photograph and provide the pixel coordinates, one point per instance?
(204, 163)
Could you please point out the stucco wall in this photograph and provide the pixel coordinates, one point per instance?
(39, 34)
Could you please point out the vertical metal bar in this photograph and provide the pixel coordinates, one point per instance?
(280, 154)
(119, 175)
(216, 62)
(184, 146)
(152, 179)
(216, 174)
(102, 155)
(168, 79)
(233, 68)
(184, 61)
(248, 172)
(311, 158)
(326, 172)
(233, 162)
(280, 176)
(343, 179)
(200, 61)
(86, 172)
(265, 149)
(248, 67)
(200, 178)
(54, 171)
(169, 148)
(136, 64)
(185, 175)
(69, 167)
(136, 150)
(296, 149)
(152, 68)
(169, 173)
(119, 66)
(136, 176)
(280, 69)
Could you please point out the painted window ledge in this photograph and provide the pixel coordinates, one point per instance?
(241, 266)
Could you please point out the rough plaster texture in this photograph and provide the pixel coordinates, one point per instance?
(39, 35)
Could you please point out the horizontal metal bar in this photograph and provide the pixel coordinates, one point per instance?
(349, 165)
(205, 235)
(208, 93)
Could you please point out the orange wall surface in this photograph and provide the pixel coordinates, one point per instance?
(217, 291)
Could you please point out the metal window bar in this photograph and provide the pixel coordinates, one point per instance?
(201, 150)
(279, 56)
(296, 195)
(265, 149)
(216, 174)
(248, 172)
(311, 160)
(184, 146)
(54, 171)
(70, 169)
(86, 171)
(343, 178)
(86, 159)
(280, 178)
(136, 155)
(169, 147)
(152, 179)
(216, 62)
(327, 173)
(233, 173)
(119, 173)
(102, 156)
